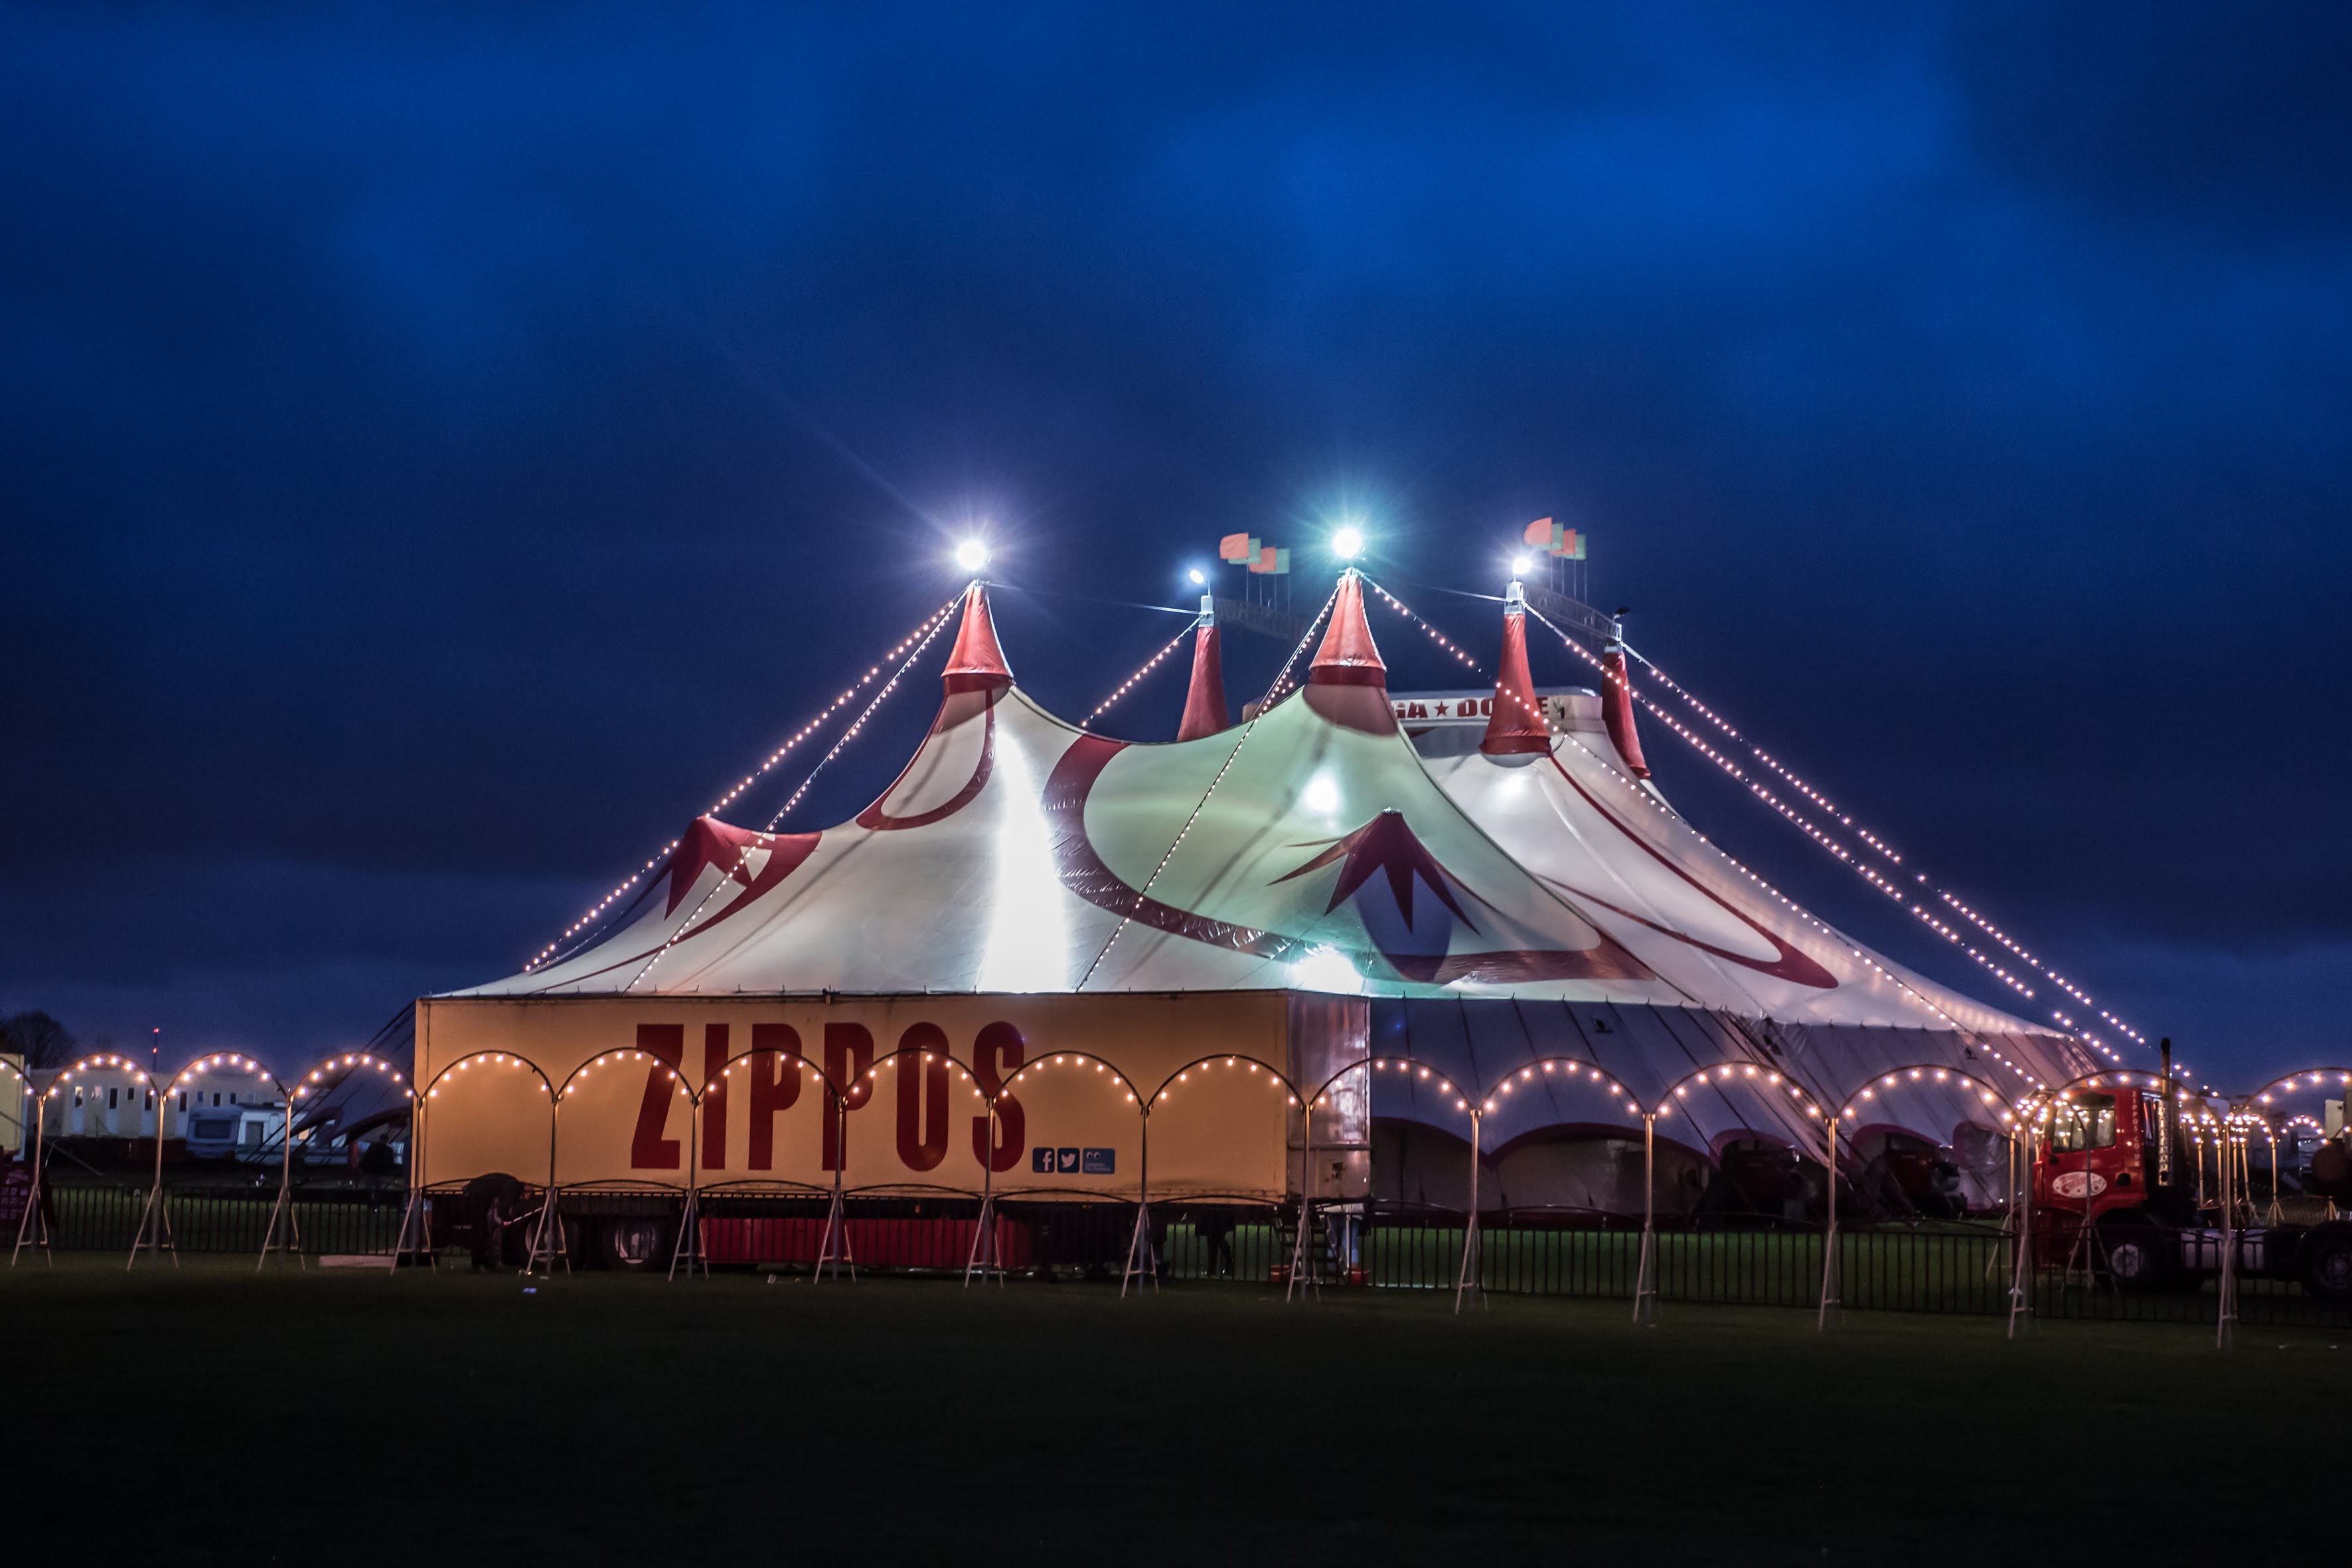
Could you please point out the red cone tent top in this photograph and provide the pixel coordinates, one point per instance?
(1348, 684)
(1348, 656)
(1205, 700)
(1516, 725)
(976, 664)
(1617, 707)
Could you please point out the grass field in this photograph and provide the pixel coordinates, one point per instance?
(348, 1415)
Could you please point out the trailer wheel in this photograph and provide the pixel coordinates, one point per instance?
(2327, 1263)
(635, 1242)
(2138, 1252)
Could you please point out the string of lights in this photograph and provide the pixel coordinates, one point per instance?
(1247, 730)
(1409, 614)
(790, 743)
(743, 853)
(1825, 839)
(1984, 1090)
(1882, 847)
(1129, 685)
(1282, 677)
(1173, 845)
(1635, 791)
(856, 724)
(1274, 1079)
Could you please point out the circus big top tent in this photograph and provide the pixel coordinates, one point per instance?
(1051, 960)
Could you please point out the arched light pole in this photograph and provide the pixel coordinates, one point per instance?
(1468, 1278)
(1829, 1235)
(33, 1224)
(1646, 1273)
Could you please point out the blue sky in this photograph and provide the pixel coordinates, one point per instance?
(440, 450)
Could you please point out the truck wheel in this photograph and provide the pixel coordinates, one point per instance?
(2138, 1252)
(635, 1242)
(2327, 1263)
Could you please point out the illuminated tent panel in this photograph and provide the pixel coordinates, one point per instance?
(1537, 893)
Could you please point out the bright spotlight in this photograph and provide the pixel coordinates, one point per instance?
(1348, 543)
(1197, 575)
(1519, 565)
(971, 555)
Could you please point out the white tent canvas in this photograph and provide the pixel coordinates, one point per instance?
(1315, 849)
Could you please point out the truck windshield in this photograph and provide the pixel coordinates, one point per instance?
(2086, 1122)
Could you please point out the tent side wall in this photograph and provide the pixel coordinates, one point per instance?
(728, 1092)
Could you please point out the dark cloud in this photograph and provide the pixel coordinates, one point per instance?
(438, 453)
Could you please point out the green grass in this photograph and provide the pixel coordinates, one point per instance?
(348, 1415)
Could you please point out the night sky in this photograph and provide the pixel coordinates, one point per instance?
(442, 452)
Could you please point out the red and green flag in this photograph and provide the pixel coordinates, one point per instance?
(1238, 548)
(1271, 562)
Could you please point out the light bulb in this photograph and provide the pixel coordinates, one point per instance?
(971, 555)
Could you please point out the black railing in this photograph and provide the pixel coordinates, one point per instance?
(231, 1219)
(1947, 1267)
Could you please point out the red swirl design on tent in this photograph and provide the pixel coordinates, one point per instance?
(1085, 873)
(881, 821)
(708, 843)
(1787, 962)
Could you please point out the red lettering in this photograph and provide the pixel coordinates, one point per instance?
(849, 1058)
(714, 1097)
(665, 1043)
(996, 1056)
(775, 1068)
(923, 1097)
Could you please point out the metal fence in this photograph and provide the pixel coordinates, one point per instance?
(1950, 1267)
(222, 1220)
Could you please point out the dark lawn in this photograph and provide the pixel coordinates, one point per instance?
(346, 1416)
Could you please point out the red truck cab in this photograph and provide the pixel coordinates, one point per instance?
(2100, 1147)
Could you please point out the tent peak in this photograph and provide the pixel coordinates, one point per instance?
(1516, 726)
(1617, 702)
(1349, 655)
(1204, 700)
(977, 663)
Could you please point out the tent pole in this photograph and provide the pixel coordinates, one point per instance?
(1299, 1255)
(283, 1211)
(416, 1208)
(1467, 1279)
(547, 1242)
(2009, 1220)
(33, 1222)
(1645, 1275)
(1829, 1236)
(834, 1247)
(152, 1215)
(689, 1237)
(984, 1236)
(2225, 1315)
(2020, 1276)
(2276, 1215)
(1140, 1262)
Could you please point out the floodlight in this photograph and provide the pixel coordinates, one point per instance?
(1197, 575)
(971, 555)
(1520, 565)
(1348, 543)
